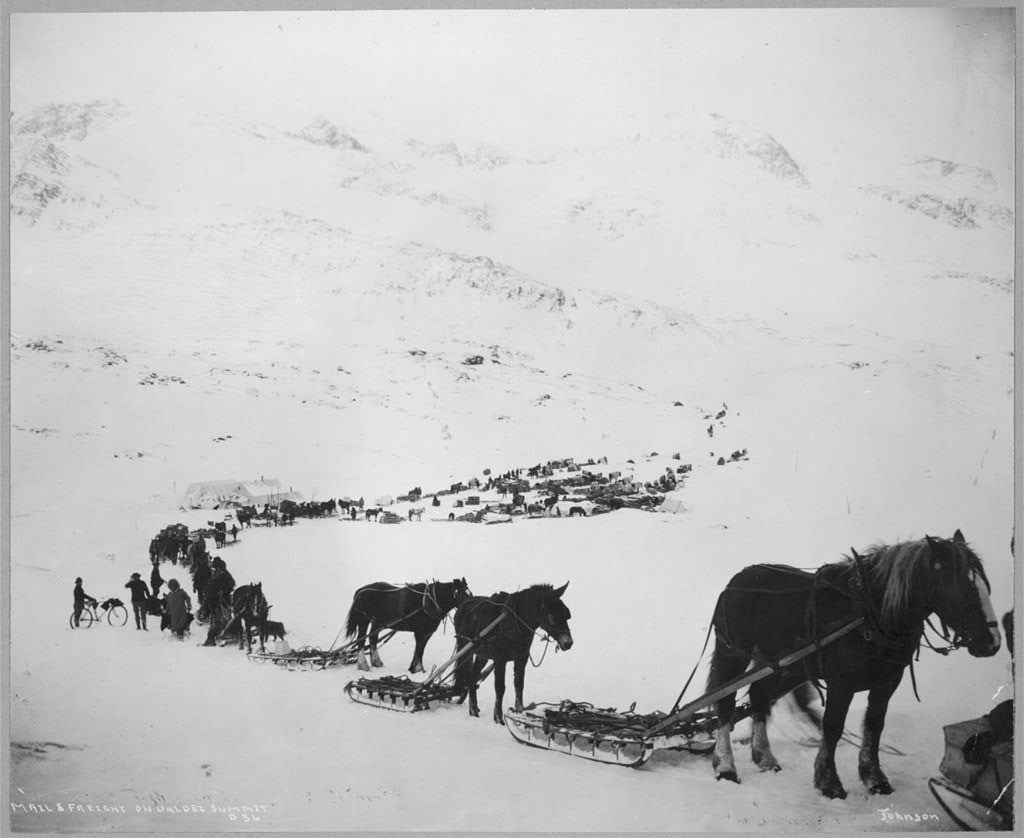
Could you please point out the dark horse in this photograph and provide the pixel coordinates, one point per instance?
(539, 606)
(767, 611)
(418, 608)
(249, 610)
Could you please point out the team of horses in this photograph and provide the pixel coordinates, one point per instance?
(765, 612)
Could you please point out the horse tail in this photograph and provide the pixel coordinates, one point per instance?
(352, 621)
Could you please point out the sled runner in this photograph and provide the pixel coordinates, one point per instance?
(964, 808)
(605, 734)
(628, 738)
(405, 695)
(314, 659)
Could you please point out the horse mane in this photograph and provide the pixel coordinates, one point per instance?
(898, 570)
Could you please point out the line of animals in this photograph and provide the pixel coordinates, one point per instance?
(764, 612)
(606, 493)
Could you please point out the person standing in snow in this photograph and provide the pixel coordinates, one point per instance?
(155, 579)
(217, 598)
(81, 598)
(140, 600)
(178, 608)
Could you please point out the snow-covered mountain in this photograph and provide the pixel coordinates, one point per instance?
(198, 294)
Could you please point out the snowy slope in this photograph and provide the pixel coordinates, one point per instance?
(200, 296)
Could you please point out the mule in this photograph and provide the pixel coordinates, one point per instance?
(769, 610)
(539, 606)
(418, 608)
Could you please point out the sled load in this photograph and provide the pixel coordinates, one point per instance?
(313, 658)
(403, 694)
(606, 734)
(628, 738)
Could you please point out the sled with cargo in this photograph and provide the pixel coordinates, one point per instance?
(627, 738)
(315, 659)
(405, 695)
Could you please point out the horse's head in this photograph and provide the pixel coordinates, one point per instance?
(250, 598)
(555, 618)
(461, 590)
(449, 595)
(958, 593)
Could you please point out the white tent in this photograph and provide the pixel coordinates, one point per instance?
(210, 494)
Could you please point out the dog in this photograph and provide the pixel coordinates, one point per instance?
(274, 629)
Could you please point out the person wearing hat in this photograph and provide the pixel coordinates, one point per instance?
(217, 598)
(140, 598)
(81, 598)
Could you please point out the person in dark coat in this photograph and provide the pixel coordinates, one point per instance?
(140, 600)
(178, 609)
(81, 598)
(155, 579)
(217, 598)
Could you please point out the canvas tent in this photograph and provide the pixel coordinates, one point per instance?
(211, 494)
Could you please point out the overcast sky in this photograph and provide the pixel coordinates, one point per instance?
(823, 82)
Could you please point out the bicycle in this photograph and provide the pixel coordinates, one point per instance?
(117, 614)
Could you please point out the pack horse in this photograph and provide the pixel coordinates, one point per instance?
(419, 608)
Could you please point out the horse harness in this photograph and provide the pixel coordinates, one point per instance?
(864, 617)
(508, 610)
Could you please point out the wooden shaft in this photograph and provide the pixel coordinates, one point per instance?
(687, 710)
(465, 650)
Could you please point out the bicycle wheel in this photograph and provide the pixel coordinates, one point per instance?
(117, 616)
(84, 620)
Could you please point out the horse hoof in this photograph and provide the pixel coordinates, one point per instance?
(727, 775)
(836, 792)
(881, 787)
(766, 762)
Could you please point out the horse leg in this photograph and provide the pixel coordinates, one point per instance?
(871, 773)
(417, 656)
(462, 669)
(474, 682)
(724, 667)
(360, 644)
(760, 707)
(519, 679)
(374, 657)
(826, 778)
(499, 688)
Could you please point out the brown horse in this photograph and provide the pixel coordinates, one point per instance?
(418, 608)
(523, 612)
(767, 611)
